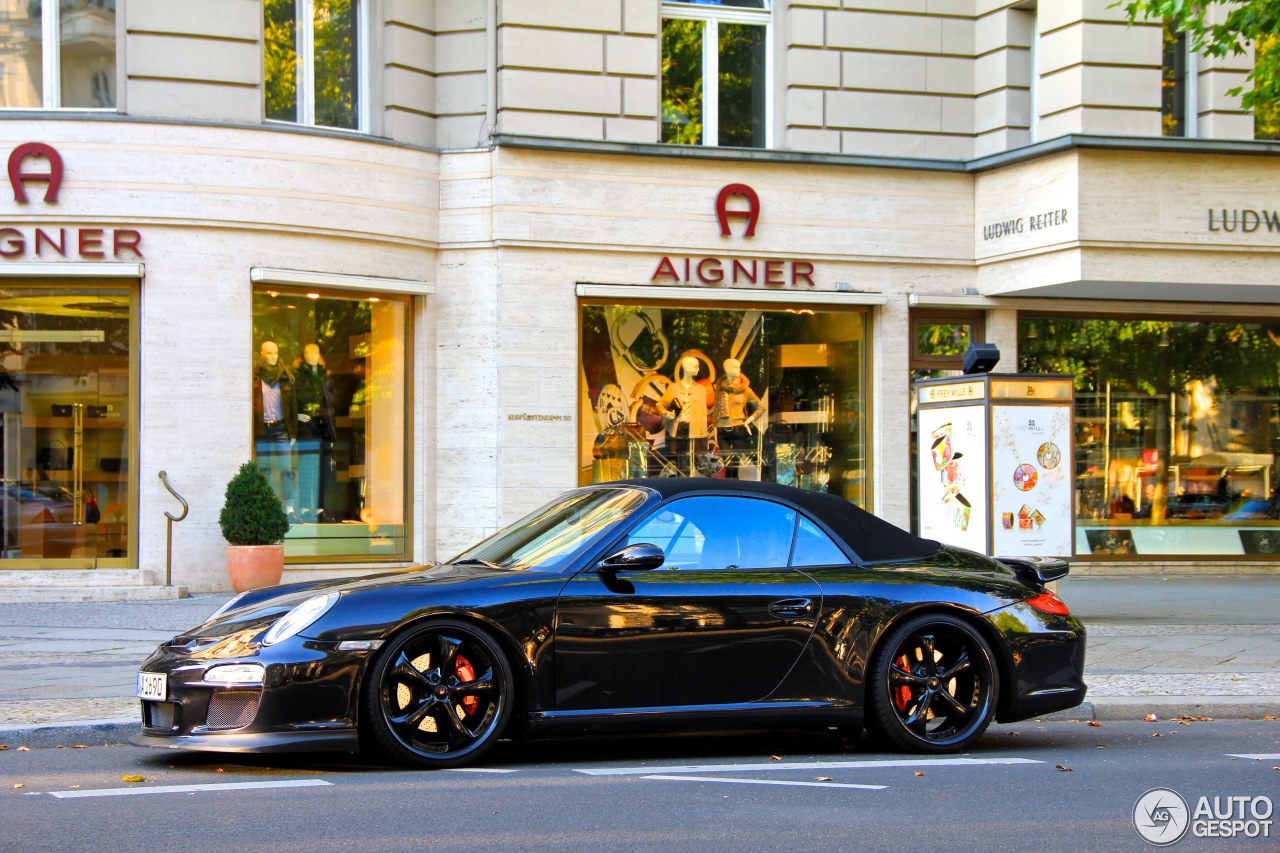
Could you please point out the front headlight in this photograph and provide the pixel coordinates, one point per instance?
(299, 617)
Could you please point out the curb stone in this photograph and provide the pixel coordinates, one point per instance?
(88, 732)
(1116, 709)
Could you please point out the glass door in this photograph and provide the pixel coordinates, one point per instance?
(66, 391)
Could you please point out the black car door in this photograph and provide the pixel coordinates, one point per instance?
(721, 622)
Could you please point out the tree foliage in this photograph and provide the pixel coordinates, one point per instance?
(1215, 34)
(252, 514)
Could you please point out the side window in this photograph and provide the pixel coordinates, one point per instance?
(719, 533)
(815, 548)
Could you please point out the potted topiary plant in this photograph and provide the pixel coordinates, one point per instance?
(254, 523)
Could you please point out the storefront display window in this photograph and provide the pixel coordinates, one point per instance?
(330, 393)
(66, 390)
(1176, 433)
(749, 394)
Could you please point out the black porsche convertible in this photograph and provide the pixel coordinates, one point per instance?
(658, 604)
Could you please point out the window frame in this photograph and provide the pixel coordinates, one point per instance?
(712, 16)
(304, 13)
(51, 64)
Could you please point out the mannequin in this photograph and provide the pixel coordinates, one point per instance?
(737, 408)
(315, 431)
(275, 420)
(684, 410)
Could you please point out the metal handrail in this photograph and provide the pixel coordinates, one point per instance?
(168, 541)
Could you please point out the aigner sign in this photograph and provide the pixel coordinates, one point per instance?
(87, 243)
(734, 270)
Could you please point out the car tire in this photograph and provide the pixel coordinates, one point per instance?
(934, 685)
(439, 695)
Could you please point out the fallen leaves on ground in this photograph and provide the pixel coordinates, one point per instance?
(1189, 718)
(3, 747)
(1270, 717)
(79, 746)
(1151, 718)
(1065, 768)
(919, 772)
(19, 785)
(130, 777)
(1155, 734)
(24, 749)
(1014, 734)
(775, 757)
(824, 779)
(1093, 723)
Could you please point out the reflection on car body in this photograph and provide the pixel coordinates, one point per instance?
(655, 604)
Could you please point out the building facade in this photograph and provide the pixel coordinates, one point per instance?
(428, 264)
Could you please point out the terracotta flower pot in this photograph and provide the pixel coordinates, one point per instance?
(254, 566)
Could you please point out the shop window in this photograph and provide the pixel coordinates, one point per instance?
(313, 53)
(330, 390)
(715, 86)
(67, 380)
(58, 54)
(734, 393)
(1176, 432)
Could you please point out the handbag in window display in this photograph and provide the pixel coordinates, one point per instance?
(680, 392)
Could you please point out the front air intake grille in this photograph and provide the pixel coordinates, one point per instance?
(232, 709)
(159, 715)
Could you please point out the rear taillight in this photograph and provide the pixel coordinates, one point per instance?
(46, 517)
(1047, 602)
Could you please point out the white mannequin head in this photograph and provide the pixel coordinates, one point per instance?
(311, 354)
(689, 367)
(732, 369)
(269, 352)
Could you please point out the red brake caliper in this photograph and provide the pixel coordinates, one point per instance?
(902, 695)
(466, 672)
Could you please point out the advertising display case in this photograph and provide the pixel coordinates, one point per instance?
(995, 463)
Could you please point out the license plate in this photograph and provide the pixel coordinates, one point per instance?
(153, 685)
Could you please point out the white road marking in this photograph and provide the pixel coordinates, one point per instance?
(482, 770)
(805, 765)
(190, 789)
(766, 782)
(1257, 756)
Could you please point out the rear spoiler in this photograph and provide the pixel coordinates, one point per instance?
(1037, 570)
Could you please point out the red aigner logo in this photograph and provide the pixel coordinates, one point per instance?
(53, 177)
(723, 213)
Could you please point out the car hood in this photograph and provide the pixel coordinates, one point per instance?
(258, 610)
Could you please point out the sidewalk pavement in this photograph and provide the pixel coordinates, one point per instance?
(1170, 646)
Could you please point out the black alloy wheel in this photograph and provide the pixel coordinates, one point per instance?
(935, 686)
(439, 695)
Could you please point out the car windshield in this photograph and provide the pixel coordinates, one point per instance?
(551, 537)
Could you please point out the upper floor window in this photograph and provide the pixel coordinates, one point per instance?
(58, 53)
(1266, 115)
(1177, 84)
(314, 59)
(715, 72)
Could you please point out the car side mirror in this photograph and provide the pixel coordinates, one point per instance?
(641, 557)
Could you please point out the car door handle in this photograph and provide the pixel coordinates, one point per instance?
(791, 608)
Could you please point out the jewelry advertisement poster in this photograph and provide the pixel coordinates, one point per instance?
(1032, 487)
(952, 490)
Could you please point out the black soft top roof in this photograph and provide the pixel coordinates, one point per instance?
(872, 538)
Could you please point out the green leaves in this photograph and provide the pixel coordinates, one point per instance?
(252, 514)
(1212, 33)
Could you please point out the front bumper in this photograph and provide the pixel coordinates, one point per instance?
(308, 700)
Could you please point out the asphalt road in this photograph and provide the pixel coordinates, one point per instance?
(753, 792)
